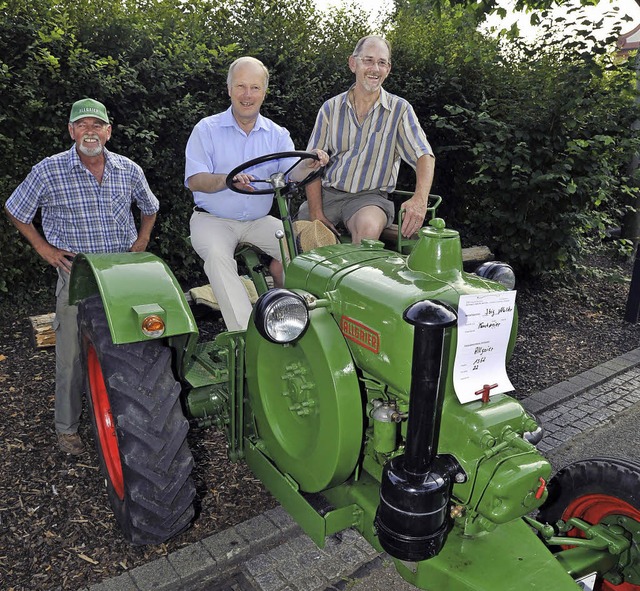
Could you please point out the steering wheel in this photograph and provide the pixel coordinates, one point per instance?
(277, 180)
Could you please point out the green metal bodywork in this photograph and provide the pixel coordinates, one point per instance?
(300, 420)
(132, 285)
(302, 414)
(358, 281)
(509, 556)
(505, 474)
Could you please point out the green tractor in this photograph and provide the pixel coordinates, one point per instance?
(344, 398)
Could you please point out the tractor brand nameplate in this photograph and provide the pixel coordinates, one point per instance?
(360, 334)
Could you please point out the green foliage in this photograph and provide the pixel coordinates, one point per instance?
(159, 67)
(532, 143)
(480, 9)
(546, 147)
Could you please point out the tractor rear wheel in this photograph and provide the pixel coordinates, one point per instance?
(139, 428)
(599, 490)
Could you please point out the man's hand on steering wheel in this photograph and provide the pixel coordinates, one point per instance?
(243, 181)
(323, 157)
(276, 181)
(313, 164)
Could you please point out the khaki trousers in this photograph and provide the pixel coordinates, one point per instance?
(215, 240)
(68, 403)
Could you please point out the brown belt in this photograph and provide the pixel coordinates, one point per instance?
(196, 208)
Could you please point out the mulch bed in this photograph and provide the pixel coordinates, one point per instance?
(56, 528)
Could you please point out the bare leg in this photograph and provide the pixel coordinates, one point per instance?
(367, 222)
(277, 272)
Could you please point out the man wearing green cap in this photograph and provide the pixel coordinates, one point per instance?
(85, 196)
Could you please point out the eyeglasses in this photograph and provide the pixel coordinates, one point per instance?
(369, 62)
(84, 126)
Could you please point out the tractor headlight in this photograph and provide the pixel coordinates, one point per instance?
(498, 272)
(281, 316)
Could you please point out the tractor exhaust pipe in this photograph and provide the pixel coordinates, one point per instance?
(412, 520)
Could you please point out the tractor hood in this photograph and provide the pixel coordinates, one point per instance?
(370, 287)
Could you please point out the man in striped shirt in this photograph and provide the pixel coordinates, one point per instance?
(85, 196)
(367, 131)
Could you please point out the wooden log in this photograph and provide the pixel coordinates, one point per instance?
(472, 256)
(42, 334)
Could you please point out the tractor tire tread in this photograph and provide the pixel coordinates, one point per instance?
(152, 431)
(615, 477)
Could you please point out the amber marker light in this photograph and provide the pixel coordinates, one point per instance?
(153, 326)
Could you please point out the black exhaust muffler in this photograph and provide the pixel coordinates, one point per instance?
(413, 520)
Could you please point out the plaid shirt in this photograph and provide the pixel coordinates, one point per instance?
(78, 213)
(367, 156)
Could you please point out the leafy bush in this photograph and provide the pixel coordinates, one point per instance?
(159, 67)
(549, 160)
(532, 144)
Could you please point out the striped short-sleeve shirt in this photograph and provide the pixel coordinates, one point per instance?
(78, 213)
(367, 156)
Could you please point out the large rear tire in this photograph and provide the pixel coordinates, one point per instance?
(139, 428)
(598, 490)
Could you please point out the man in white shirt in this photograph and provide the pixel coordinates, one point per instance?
(223, 218)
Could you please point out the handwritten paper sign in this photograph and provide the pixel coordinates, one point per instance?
(484, 328)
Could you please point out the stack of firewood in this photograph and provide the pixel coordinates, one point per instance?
(43, 334)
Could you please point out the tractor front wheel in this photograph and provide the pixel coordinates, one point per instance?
(140, 430)
(599, 490)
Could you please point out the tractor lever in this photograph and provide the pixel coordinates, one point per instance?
(486, 392)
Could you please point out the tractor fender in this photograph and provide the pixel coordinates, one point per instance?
(132, 285)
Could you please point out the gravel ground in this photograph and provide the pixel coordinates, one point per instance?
(56, 528)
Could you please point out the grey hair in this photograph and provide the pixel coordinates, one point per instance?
(248, 60)
(361, 42)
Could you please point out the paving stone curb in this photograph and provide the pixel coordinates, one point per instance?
(271, 553)
(587, 400)
(207, 562)
(566, 390)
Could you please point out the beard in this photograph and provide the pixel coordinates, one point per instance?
(95, 151)
(371, 85)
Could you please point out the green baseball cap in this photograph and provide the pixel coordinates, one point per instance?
(88, 108)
